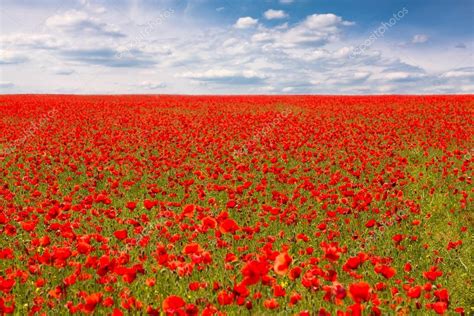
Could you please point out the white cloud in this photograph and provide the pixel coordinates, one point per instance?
(92, 7)
(348, 78)
(402, 76)
(325, 21)
(108, 56)
(151, 85)
(76, 22)
(320, 54)
(316, 29)
(283, 26)
(11, 58)
(32, 41)
(460, 73)
(245, 23)
(226, 76)
(62, 71)
(419, 38)
(275, 14)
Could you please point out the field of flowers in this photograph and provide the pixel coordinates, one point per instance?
(253, 205)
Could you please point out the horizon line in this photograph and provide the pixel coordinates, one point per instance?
(233, 95)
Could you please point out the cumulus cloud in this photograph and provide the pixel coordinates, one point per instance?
(325, 21)
(419, 38)
(90, 6)
(245, 23)
(338, 76)
(350, 78)
(92, 51)
(275, 14)
(32, 41)
(397, 72)
(459, 73)
(11, 58)
(226, 76)
(402, 76)
(316, 29)
(63, 71)
(77, 22)
(107, 56)
(151, 85)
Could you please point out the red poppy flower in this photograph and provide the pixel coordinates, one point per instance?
(271, 303)
(231, 204)
(253, 271)
(188, 211)
(131, 205)
(281, 264)
(440, 307)
(433, 273)
(149, 204)
(360, 292)
(228, 226)
(192, 248)
(83, 247)
(91, 301)
(28, 226)
(225, 298)
(295, 298)
(370, 223)
(209, 222)
(414, 292)
(6, 285)
(294, 273)
(407, 267)
(352, 263)
(386, 271)
(278, 291)
(173, 304)
(121, 234)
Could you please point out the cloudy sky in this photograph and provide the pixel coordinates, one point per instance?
(237, 46)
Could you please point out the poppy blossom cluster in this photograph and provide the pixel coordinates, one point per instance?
(140, 205)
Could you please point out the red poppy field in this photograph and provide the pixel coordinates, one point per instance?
(253, 205)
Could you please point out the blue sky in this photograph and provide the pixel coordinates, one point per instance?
(237, 47)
